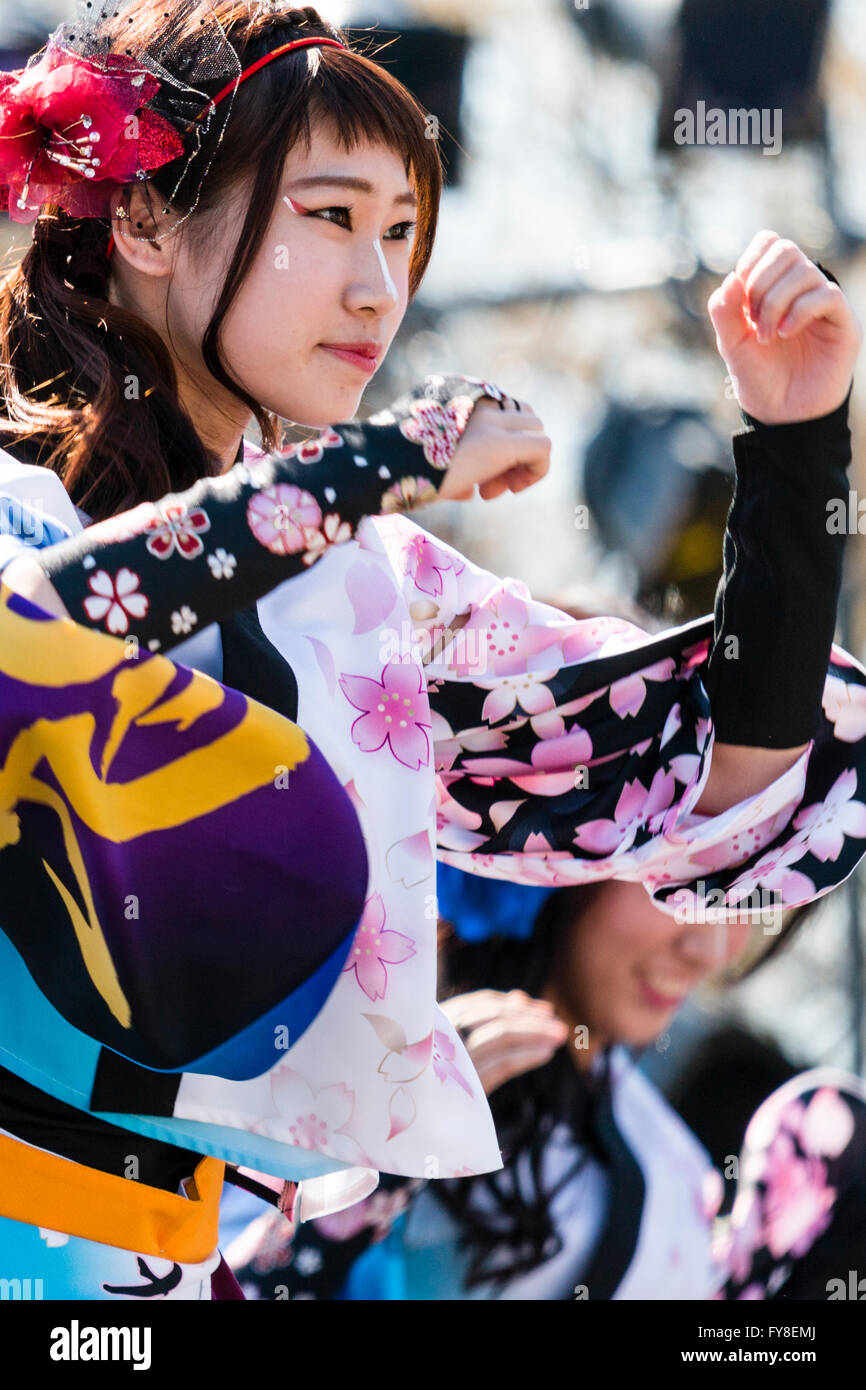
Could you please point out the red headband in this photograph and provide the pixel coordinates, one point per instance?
(248, 72)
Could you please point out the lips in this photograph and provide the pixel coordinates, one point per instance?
(665, 991)
(364, 355)
(367, 347)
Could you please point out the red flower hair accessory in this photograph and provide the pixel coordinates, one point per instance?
(74, 129)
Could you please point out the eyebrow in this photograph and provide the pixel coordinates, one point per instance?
(346, 181)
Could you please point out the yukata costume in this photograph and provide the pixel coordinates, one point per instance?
(503, 737)
(630, 1195)
(632, 1198)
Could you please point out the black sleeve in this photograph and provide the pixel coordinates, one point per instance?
(166, 569)
(775, 606)
(776, 603)
(774, 612)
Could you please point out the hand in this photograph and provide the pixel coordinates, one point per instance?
(788, 335)
(505, 1034)
(500, 450)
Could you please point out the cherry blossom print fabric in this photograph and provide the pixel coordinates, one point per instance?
(468, 748)
(798, 1225)
(797, 1229)
(467, 722)
(571, 751)
(309, 1125)
(164, 570)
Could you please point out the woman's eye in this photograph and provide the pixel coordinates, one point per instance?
(341, 213)
(341, 217)
(403, 231)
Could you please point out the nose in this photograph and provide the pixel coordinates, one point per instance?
(705, 946)
(373, 286)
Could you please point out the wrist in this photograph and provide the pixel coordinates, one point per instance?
(426, 425)
(836, 419)
(808, 459)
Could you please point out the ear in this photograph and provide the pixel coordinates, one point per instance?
(140, 216)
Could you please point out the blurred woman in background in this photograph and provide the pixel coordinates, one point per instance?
(605, 1193)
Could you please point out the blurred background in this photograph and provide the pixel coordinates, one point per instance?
(578, 246)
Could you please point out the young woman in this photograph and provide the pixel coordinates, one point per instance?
(260, 264)
(605, 1193)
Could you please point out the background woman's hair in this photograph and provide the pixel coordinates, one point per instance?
(509, 1231)
(88, 384)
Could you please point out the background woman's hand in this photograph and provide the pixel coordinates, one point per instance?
(500, 451)
(505, 1034)
(787, 334)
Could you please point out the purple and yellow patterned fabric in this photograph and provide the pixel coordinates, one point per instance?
(158, 830)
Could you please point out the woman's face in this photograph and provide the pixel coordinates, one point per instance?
(332, 269)
(626, 966)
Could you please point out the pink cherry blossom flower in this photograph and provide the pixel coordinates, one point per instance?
(798, 1203)
(827, 1127)
(777, 1112)
(634, 807)
(408, 494)
(379, 1211)
(280, 518)
(334, 531)
(346, 1224)
(746, 842)
(514, 644)
(437, 427)
(116, 599)
(534, 697)
(542, 871)
(374, 948)
(845, 707)
(827, 822)
(599, 636)
(455, 824)
(562, 751)
(448, 746)
(176, 528)
(772, 874)
(393, 712)
(313, 450)
(319, 1121)
(425, 563)
(628, 694)
(443, 1061)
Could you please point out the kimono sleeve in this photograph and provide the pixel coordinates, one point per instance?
(144, 810)
(166, 569)
(569, 751)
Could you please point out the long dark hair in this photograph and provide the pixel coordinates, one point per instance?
(510, 1230)
(67, 353)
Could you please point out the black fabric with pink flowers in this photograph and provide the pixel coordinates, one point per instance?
(168, 569)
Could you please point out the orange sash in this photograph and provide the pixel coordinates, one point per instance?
(43, 1189)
